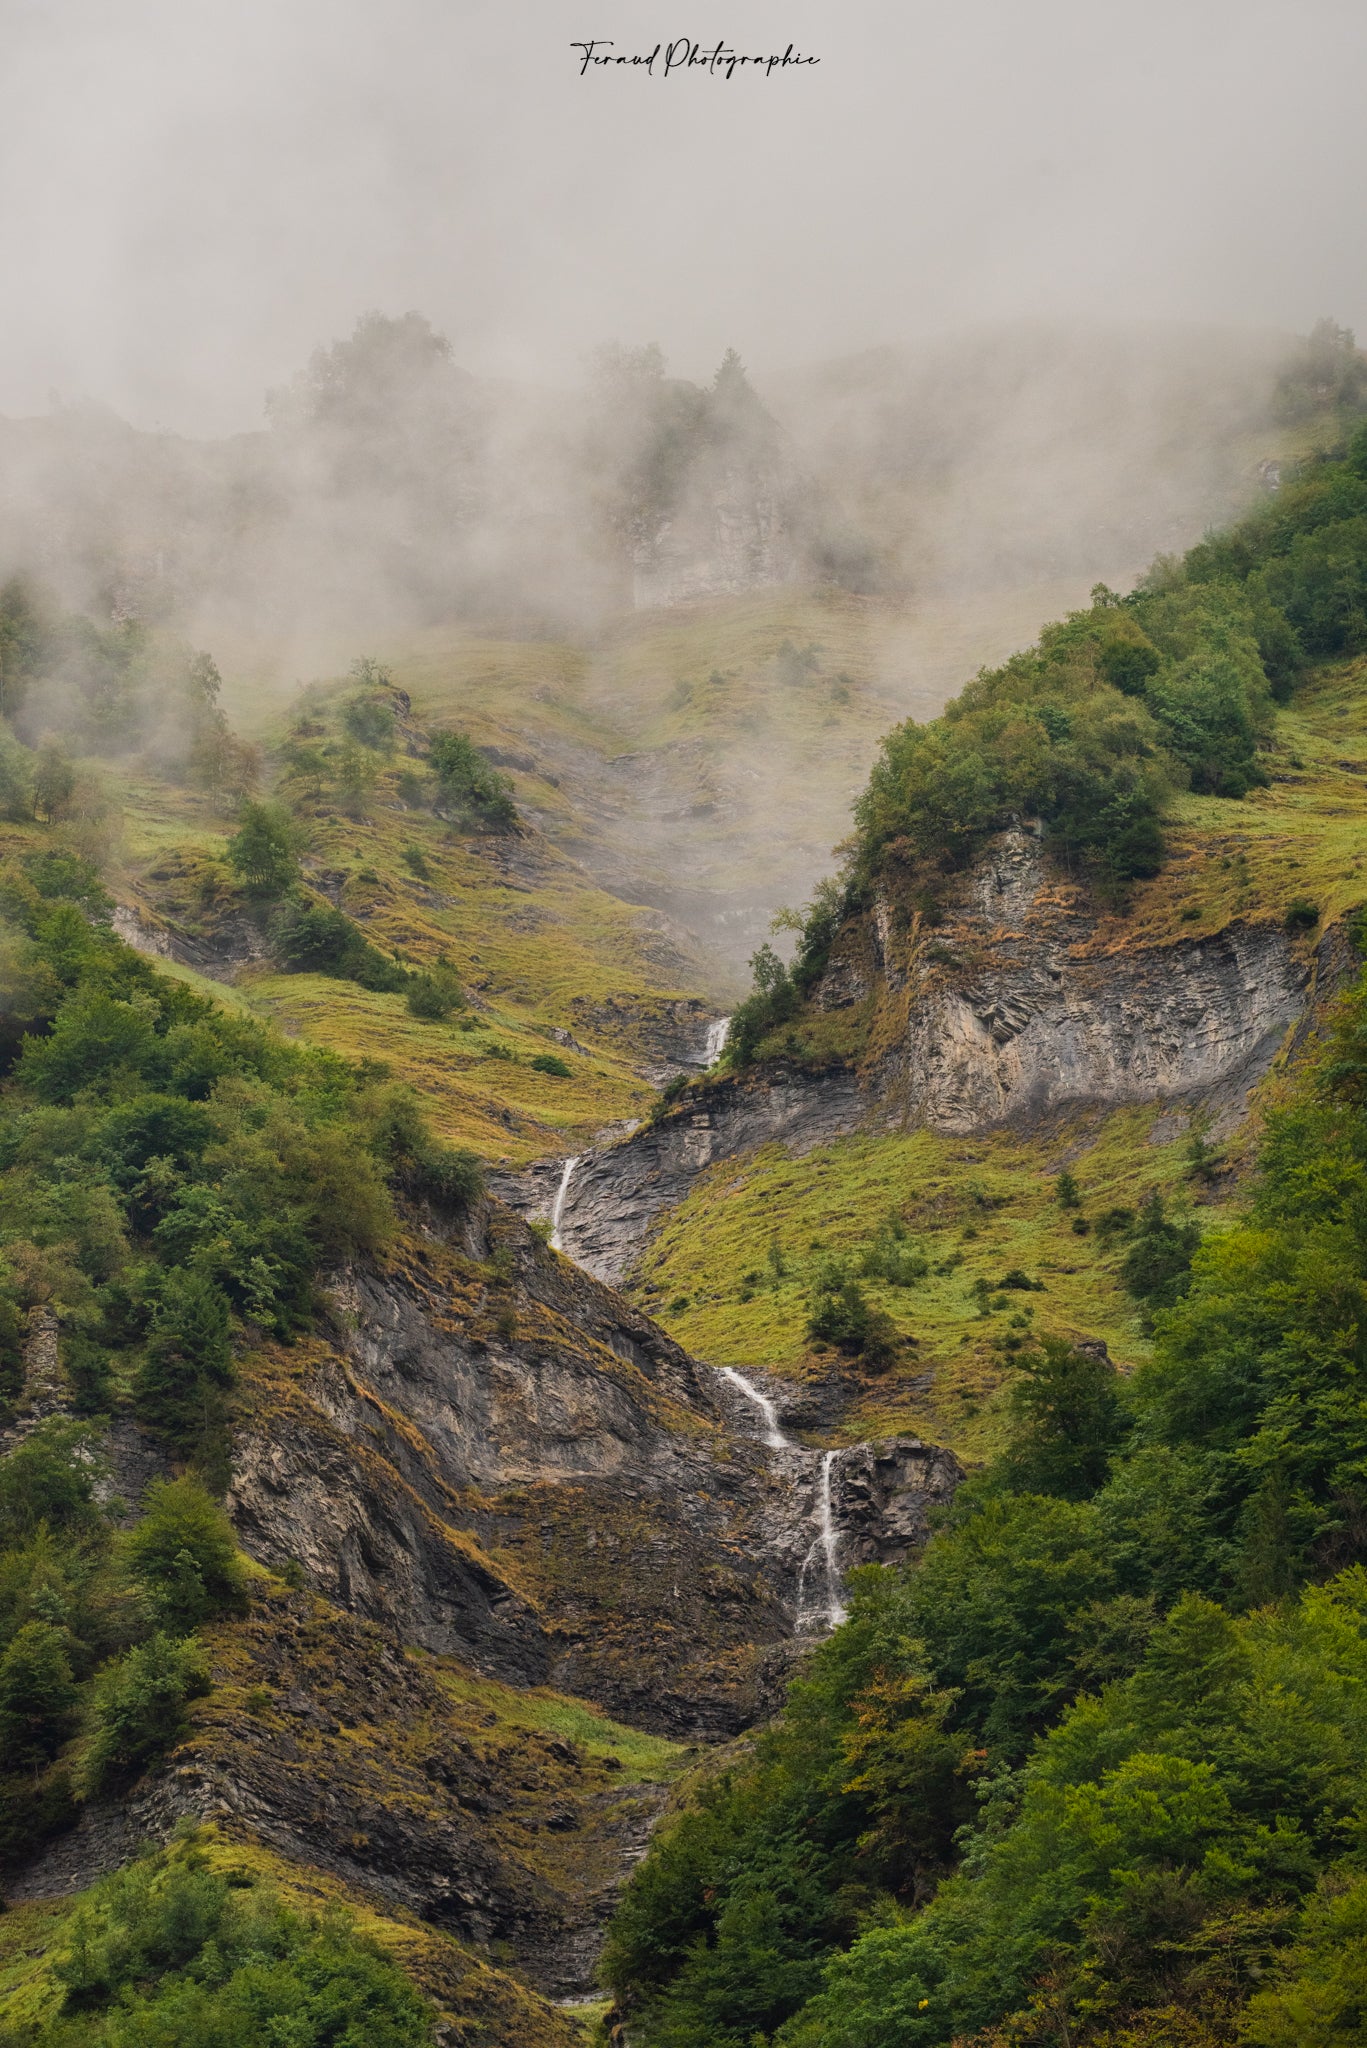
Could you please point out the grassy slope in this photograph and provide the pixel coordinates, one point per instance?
(988, 1204)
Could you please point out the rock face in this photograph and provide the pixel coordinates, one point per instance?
(1034, 1018)
(615, 1195)
(496, 1458)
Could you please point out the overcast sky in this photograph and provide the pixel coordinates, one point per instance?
(195, 192)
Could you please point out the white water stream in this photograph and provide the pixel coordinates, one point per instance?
(818, 1587)
(824, 1552)
(773, 1435)
(822, 1562)
(558, 1208)
(716, 1039)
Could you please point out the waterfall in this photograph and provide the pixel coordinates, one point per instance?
(825, 1553)
(773, 1435)
(558, 1209)
(825, 1608)
(716, 1039)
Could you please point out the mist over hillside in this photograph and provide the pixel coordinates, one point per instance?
(390, 489)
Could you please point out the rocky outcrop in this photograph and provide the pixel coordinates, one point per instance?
(499, 1459)
(1015, 1009)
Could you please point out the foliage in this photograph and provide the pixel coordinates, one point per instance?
(170, 1951)
(182, 1557)
(469, 792)
(434, 994)
(313, 938)
(1166, 1769)
(136, 1708)
(1090, 732)
(841, 1314)
(264, 851)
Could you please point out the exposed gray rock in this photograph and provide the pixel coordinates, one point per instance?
(1037, 1020)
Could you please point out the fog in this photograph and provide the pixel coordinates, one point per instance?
(349, 328)
(193, 193)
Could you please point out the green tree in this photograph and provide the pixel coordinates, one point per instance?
(1065, 1422)
(183, 1558)
(54, 781)
(264, 851)
(136, 1709)
(37, 1695)
(188, 1362)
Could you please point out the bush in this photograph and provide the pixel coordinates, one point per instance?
(433, 996)
(313, 938)
(1301, 915)
(170, 1951)
(370, 722)
(469, 792)
(550, 1063)
(841, 1315)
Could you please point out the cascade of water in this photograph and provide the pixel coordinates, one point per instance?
(773, 1435)
(827, 1606)
(558, 1208)
(716, 1038)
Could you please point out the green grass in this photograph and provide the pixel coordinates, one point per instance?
(980, 1207)
(644, 1759)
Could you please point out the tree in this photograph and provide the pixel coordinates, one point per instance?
(183, 1557)
(37, 1695)
(1157, 1265)
(263, 851)
(188, 1361)
(1065, 1423)
(54, 781)
(137, 1708)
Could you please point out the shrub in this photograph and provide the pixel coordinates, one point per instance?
(469, 791)
(370, 722)
(841, 1315)
(1301, 915)
(433, 996)
(550, 1063)
(169, 1951)
(313, 938)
